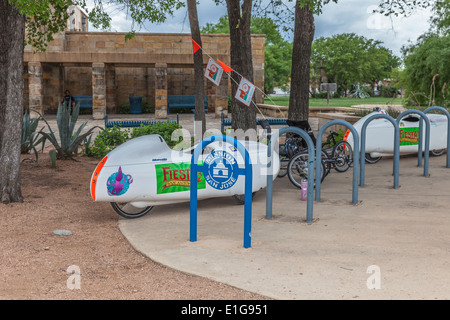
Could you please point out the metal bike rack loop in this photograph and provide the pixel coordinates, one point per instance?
(247, 171)
(427, 138)
(435, 108)
(396, 146)
(355, 157)
(269, 190)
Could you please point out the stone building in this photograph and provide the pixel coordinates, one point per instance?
(108, 68)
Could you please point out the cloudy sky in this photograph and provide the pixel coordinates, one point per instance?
(347, 16)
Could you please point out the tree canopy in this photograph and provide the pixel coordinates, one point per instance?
(426, 76)
(349, 58)
(278, 52)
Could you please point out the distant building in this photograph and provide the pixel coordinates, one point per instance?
(78, 20)
(108, 68)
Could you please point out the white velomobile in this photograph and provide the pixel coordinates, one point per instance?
(144, 172)
(380, 135)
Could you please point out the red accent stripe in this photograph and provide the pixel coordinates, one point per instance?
(346, 135)
(95, 176)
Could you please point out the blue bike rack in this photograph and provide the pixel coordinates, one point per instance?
(269, 190)
(396, 146)
(435, 108)
(247, 171)
(427, 138)
(355, 157)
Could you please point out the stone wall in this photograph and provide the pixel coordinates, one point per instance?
(131, 77)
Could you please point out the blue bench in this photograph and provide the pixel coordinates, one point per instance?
(134, 123)
(183, 101)
(85, 101)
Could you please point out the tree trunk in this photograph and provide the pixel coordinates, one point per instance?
(12, 31)
(198, 66)
(241, 60)
(301, 54)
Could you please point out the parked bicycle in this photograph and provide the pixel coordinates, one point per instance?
(294, 154)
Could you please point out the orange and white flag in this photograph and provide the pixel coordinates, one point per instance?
(213, 72)
(245, 92)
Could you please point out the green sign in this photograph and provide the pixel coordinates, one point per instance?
(409, 136)
(176, 177)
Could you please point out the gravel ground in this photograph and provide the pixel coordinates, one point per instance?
(95, 261)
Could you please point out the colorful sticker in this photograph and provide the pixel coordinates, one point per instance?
(213, 72)
(409, 136)
(222, 170)
(245, 92)
(176, 177)
(118, 183)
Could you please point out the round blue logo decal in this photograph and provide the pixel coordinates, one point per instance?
(222, 170)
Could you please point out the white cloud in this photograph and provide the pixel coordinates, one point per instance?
(344, 17)
(357, 16)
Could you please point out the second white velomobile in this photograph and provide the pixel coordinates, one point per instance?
(380, 135)
(145, 172)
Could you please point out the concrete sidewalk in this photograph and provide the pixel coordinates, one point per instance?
(393, 245)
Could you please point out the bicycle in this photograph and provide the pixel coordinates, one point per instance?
(294, 154)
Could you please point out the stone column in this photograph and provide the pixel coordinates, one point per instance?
(98, 91)
(222, 97)
(111, 87)
(35, 88)
(161, 91)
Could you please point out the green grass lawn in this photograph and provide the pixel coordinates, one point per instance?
(335, 102)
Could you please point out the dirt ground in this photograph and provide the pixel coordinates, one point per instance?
(35, 261)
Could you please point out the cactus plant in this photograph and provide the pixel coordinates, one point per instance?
(30, 138)
(69, 140)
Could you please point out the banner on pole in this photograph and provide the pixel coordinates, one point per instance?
(213, 72)
(245, 92)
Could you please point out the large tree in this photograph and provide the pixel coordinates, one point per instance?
(241, 59)
(198, 65)
(43, 18)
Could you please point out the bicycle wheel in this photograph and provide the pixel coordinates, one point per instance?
(283, 167)
(298, 169)
(128, 211)
(326, 162)
(342, 156)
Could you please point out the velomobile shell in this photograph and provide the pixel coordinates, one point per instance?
(145, 172)
(380, 134)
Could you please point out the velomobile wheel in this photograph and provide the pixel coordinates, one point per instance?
(240, 198)
(438, 152)
(128, 211)
(372, 160)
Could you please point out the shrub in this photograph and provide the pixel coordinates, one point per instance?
(164, 129)
(110, 138)
(106, 141)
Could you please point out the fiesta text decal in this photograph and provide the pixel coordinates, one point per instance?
(409, 136)
(176, 177)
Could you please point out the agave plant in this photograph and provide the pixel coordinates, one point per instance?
(69, 140)
(31, 138)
